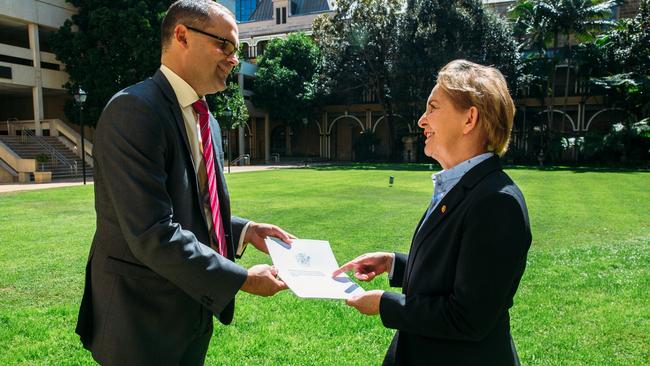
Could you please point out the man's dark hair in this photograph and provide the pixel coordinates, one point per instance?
(193, 13)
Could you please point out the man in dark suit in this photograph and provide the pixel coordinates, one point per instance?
(469, 250)
(162, 260)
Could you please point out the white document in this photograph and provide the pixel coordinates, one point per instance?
(306, 266)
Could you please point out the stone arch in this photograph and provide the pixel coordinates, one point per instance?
(329, 130)
(408, 125)
(606, 110)
(573, 125)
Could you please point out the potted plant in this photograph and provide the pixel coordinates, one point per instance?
(42, 176)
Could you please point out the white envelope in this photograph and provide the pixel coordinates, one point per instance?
(306, 266)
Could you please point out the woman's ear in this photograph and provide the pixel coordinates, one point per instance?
(472, 120)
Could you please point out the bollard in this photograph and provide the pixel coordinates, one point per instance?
(391, 180)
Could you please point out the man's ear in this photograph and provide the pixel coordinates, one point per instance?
(472, 120)
(180, 35)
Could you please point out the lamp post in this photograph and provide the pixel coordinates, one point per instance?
(80, 98)
(227, 114)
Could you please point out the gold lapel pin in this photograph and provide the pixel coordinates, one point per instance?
(443, 208)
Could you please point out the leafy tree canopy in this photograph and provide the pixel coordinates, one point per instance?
(625, 53)
(285, 73)
(358, 51)
(434, 32)
(232, 99)
(109, 45)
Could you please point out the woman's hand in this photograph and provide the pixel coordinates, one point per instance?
(368, 266)
(367, 303)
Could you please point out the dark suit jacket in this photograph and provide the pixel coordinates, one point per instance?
(151, 273)
(460, 276)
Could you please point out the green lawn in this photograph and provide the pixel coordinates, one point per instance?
(584, 299)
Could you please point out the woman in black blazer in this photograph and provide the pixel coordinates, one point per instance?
(469, 250)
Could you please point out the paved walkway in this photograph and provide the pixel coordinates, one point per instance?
(6, 188)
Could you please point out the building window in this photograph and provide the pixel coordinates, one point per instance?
(5, 73)
(244, 9)
(14, 33)
(281, 15)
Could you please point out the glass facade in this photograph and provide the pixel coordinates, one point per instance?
(244, 9)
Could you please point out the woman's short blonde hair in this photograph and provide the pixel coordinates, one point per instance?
(473, 85)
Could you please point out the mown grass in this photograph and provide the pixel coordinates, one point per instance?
(584, 298)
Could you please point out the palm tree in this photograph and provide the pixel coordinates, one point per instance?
(540, 23)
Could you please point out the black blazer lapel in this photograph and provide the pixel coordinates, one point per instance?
(444, 208)
(447, 206)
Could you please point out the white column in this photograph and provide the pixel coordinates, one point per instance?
(37, 90)
(240, 136)
(326, 137)
(368, 119)
(267, 138)
(241, 141)
(287, 135)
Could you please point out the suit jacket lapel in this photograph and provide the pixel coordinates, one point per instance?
(175, 110)
(448, 204)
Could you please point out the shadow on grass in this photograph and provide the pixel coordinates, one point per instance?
(578, 169)
(434, 167)
(376, 166)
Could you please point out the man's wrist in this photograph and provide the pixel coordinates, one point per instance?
(391, 265)
(241, 246)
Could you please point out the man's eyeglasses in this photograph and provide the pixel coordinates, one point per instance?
(227, 46)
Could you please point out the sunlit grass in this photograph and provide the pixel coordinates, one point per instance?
(583, 299)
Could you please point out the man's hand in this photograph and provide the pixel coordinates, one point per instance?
(262, 281)
(256, 233)
(367, 303)
(368, 266)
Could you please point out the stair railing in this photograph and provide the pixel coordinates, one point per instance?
(245, 158)
(56, 156)
(10, 121)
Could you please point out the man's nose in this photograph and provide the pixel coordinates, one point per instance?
(233, 59)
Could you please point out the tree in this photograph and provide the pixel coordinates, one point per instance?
(107, 46)
(358, 47)
(388, 51)
(283, 85)
(539, 24)
(616, 65)
(625, 53)
(435, 32)
(232, 99)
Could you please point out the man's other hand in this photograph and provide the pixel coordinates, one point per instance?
(256, 233)
(262, 281)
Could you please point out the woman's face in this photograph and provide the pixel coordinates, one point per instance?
(443, 127)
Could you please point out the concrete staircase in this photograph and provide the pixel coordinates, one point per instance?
(29, 148)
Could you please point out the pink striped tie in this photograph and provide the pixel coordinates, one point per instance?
(201, 107)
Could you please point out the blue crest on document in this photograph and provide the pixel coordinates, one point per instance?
(303, 259)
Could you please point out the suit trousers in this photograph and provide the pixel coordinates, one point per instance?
(195, 352)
